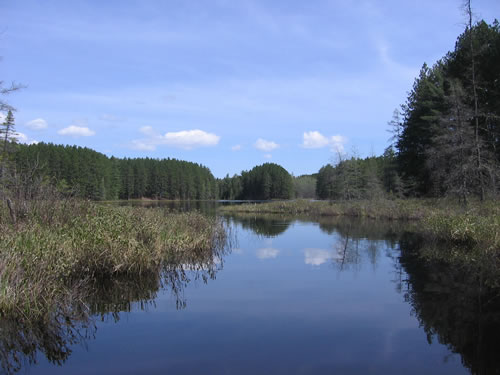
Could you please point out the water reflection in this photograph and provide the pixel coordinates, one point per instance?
(351, 237)
(454, 306)
(262, 225)
(317, 257)
(282, 312)
(267, 253)
(73, 321)
(21, 341)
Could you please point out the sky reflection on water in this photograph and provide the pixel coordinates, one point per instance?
(304, 298)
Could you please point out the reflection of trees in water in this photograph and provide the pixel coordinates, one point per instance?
(360, 238)
(73, 321)
(369, 229)
(452, 302)
(349, 250)
(266, 225)
(20, 341)
(454, 306)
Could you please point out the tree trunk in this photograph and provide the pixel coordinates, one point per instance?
(476, 106)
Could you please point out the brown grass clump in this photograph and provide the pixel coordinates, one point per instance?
(46, 259)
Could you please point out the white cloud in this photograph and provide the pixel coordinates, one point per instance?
(185, 139)
(2, 117)
(337, 143)
(189, 139)
(316, 257)
(265, 145)
(267, 253)
(76, 131)
(315, 139)
(236, 148)
(37, 124)
(23, 138)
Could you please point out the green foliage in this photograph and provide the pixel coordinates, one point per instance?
(230, 187)
(7, 135)
(305, 186)
(94, 176)
(456, 102)
(266, 181)
(325, 182)
(421, 112)
(351, 179)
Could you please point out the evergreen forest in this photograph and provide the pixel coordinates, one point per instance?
(93, 175)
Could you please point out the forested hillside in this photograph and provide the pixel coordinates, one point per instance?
(266, 181)
(95, 176)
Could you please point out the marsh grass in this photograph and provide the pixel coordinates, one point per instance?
(442, 220)
(48, 260)
(407, 209)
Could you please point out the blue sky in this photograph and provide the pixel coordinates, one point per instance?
(228, 84)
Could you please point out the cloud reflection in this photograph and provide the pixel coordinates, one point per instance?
(267, 253)
(316, 257)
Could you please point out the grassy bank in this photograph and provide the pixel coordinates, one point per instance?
(410, 209)
(49, 258)
(444, 220)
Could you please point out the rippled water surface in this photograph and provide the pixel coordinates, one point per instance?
(289, 297)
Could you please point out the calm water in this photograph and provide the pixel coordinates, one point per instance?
(289, 297)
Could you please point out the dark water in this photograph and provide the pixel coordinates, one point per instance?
(289, 297)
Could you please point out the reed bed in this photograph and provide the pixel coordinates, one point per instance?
(49, 258)
(445, 220)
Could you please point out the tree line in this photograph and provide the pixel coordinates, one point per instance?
(266, 181)
(445, 137)
(93, 175)
(355, 178)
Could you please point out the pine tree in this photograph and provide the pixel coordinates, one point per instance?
(7, 133)
(422, 111)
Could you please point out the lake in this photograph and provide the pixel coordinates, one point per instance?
(287, 296)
